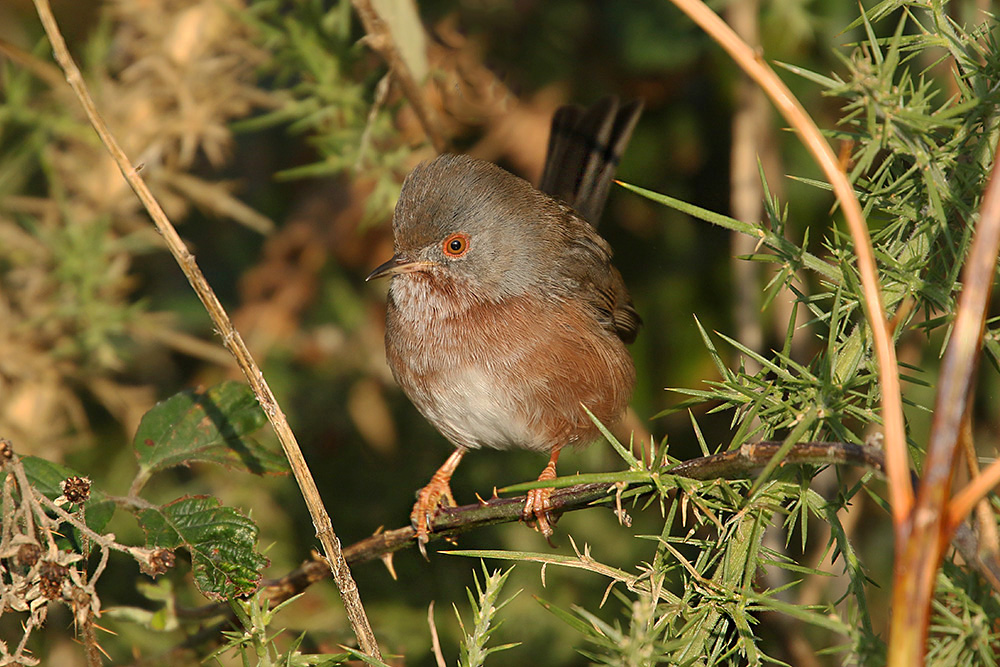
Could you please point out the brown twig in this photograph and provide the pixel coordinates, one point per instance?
(963, 501)
(897, 465)
(934, 518)
(230, 337)
(381, 40)
(452, 521)
(47, 72)
(986, 523)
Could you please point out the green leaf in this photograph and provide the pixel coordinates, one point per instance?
(808, 259)
(46, 477)
(698, 212)
(220, 540)
(626, 455)
(212, 426)
(364, 657)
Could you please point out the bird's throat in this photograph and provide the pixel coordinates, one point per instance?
(424, 296)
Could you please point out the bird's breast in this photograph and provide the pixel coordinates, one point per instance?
(512, 372)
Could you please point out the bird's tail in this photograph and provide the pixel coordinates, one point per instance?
(585, 146)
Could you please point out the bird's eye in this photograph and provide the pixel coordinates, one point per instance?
(456, 245)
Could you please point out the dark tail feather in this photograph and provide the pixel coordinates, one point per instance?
(584, 149)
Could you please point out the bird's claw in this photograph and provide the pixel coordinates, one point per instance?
(435, 495)
(536, 512)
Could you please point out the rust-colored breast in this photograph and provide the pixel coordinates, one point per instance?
(507, 373)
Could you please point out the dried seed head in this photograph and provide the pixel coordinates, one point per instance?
(6, 450)
(160, 560)
(28, 554)
(76, 489)
(52, 577)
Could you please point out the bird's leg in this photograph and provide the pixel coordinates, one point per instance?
(536, 507)
(435, 494)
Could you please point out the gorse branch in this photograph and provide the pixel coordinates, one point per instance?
(892, 405)
(920, 150)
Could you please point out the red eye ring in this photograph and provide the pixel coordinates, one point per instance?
(456, 245)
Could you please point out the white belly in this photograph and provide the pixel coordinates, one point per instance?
(473, 411)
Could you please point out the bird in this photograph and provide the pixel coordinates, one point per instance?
(506, 321)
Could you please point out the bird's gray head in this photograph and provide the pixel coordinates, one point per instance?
(477, 224)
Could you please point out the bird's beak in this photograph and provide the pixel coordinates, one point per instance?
(398, 265)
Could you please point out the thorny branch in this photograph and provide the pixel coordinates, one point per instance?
(452, 521)
(897, 465)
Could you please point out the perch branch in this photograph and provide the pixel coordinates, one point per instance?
(230, 337)
(452, 521)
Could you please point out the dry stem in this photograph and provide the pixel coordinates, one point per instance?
(231, 338)
(935, 515)
(380, 38)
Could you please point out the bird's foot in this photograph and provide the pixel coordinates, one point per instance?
(536, 512)
(436, 494)
(537, 504)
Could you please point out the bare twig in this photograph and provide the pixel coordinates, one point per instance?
(435, 642)
(934, 518)
(381, 39)
(897, 465)
(231, 338)
(43, 70)
(215, 198)
(963, 501)
(986, 523)
(452, 521)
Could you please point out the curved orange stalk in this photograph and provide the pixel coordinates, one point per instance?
(897, 463)
(962, 503)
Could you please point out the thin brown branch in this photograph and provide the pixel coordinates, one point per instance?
(435, 642)
(47, 72)
(897, 464)
(231, 338)
(452, 521)
(986, 523)
(215, 198)
(380, 38)
(919, 554)
(964, 501)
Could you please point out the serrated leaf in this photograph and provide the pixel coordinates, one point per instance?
(212, 426)
(46, 477)
(220, 540)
